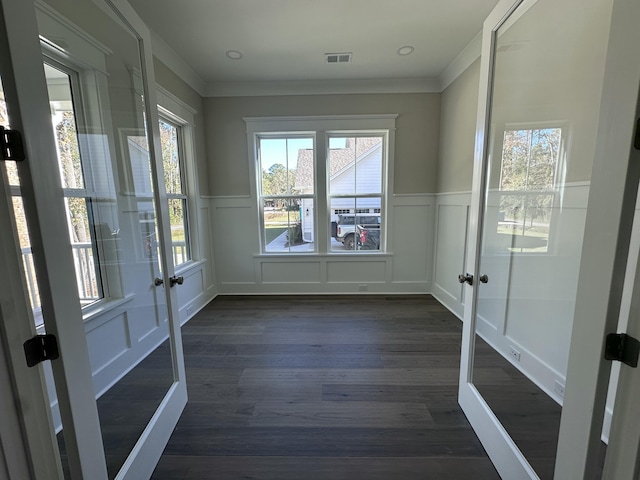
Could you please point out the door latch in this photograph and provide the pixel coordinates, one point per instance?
(40, 348)
(11, 146)
(176, 280)
(467, 277)
(623, 348)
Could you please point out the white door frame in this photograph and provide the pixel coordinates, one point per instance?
(614, 186)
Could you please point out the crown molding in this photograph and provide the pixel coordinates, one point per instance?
(171, 59)
(323, 87)
(465, 58)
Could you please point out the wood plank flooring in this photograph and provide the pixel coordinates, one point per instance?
(324, 387)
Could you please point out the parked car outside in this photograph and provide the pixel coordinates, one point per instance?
(344, 230)
(367, 238)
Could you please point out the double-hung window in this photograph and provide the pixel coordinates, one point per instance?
(321, 182)
(174, 176)
(287, 192)
(356, 190)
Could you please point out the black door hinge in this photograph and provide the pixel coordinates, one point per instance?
(40, 348)
(11, 146)
(623, 348)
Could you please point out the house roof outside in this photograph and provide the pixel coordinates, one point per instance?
(356, 149)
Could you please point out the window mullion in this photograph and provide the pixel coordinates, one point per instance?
(322, 193)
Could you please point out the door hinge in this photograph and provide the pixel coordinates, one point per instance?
(40, 348)
(11, 146)
(623, 348)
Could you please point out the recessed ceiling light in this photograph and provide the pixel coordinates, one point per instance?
(406, 50)
(233, 54)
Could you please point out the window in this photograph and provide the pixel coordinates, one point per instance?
(287, 193)
(174, 176)
(62, 85)
(321, 182)
(529, 167)
(356, 188)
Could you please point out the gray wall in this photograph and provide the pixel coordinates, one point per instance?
(459, 106)
(417, 134)
(167, 79)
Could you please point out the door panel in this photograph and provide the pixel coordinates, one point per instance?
(27, 435)
(544, 77)
(99, 228)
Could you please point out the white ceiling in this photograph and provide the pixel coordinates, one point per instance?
(285, 40)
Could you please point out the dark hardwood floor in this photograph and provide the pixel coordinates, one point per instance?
(324, 387)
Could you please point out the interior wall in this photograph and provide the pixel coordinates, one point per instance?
(459, 105)
(406, 267)
(417, 133)
(171, 82)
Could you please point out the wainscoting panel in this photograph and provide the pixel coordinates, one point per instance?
(406, 267)
(412, 227)
(451, 231)
(290, 272)
(345, 271)
(108, 342)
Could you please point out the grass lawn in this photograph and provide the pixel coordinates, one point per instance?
(272, 232)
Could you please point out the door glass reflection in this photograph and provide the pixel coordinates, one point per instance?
(540, 150)
(93, 72)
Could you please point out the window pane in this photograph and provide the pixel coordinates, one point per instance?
(530, 159)
(286, 166)
(79, 213)
(84, 254)
(349, 218)
(179, 233)
(529, 163)
(288, 225)
(171, 158)
(64, 126)
(355, 165)
(524, 222)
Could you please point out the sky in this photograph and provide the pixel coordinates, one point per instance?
(274, 150)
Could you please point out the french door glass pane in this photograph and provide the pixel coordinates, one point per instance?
(96, 92)
(540, 152)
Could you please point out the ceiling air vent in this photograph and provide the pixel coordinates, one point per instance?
(337, 57)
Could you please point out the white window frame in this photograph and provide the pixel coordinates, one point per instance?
(178, 113)
(322, 127)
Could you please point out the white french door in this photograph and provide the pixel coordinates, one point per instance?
(554, 193)
(77, 77)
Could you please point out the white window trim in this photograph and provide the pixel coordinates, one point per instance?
(321, 127)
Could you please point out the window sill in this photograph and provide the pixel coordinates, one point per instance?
(188, 266)
(333, 255)
(105, 306)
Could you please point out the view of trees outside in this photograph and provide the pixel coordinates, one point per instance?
(278, 180)
(169, 140)
(77, 205)
(528, 173)
(279, 158)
